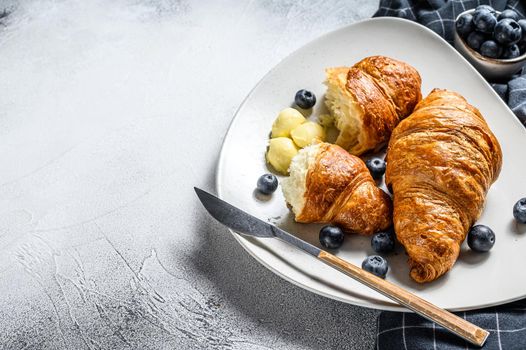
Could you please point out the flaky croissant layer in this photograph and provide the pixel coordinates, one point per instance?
(369, 99)
(441, 161)
(327, 184)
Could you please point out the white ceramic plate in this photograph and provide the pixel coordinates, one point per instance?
(477, 280)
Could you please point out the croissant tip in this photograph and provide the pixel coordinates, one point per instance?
(423, 273)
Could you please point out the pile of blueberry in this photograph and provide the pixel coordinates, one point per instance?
(493, 35)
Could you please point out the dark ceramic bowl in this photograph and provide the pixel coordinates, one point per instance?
(490, 68)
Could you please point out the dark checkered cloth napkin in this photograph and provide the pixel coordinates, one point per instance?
(506, 323)
(439, 16)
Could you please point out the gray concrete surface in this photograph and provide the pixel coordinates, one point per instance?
(110, 111)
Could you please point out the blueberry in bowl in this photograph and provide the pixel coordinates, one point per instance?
(507, 32)
(464, 25)
(508, 14)
(494, 42)
(475, 40)
(512, 51)
(522, 24)
(484, 20)
(487, 8)
(491, 49)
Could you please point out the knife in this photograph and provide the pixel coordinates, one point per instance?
(246, 224)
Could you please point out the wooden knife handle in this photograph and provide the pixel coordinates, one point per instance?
(455, 324)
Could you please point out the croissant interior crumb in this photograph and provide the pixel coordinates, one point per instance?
(343, 108)
(294, 186)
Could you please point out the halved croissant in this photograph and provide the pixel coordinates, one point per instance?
(369, 99)
(441, 161)
(327, 184)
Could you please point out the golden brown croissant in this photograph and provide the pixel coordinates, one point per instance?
(369, 99)
(441, 161)
(327, 184)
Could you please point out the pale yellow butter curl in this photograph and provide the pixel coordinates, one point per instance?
(280, 153)
(287, 119)
(308, 133)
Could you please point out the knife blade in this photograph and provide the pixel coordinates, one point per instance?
(246, 224)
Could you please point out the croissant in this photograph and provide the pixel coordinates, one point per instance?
(327, 184)
(369, 99)
(441, 161)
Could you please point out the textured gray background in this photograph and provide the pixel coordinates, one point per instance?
(110, 111)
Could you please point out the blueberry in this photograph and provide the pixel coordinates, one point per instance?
(475, 40)
(267, 183)
(487, 8)
(511, 52)
(481, 238)
(376, 167)
(507, 32)
(508, 14)
(465, 25)
(491, 49)
(519, 210)
(331, 237)
(383, 242)
(376, 265)
(484, 20)
(522, 24)
(305, 99)
(522, 47)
